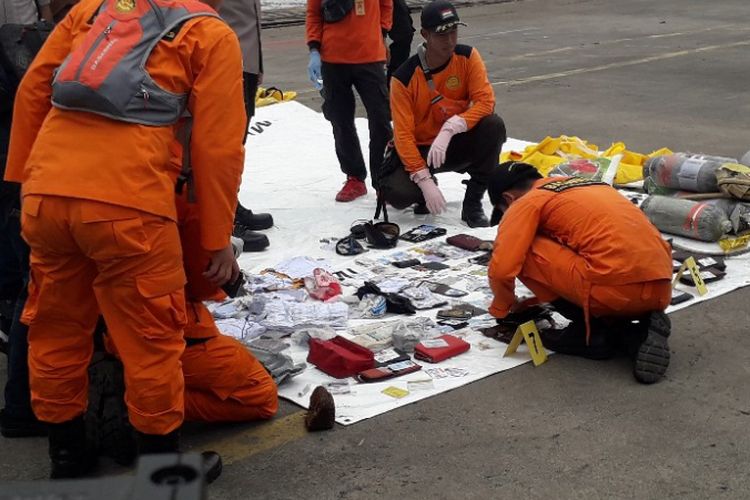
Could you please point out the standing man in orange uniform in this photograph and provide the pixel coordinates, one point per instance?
(585, 248)
(443, 119)
(347, 49)
(99, 207)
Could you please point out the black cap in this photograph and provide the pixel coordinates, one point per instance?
(440, 16)
(506, 176)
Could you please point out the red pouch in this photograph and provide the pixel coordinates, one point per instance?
(434, 351)
(340, 357)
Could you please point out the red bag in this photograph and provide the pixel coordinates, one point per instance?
(451, 346)
(340, 357)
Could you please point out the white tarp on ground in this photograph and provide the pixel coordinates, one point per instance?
(291, 171)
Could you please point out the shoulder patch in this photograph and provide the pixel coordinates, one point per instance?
(463, 50)
(569, 183)
(405, 72)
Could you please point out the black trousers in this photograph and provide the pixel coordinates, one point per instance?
(475, 152)
(250, 87)
(401, 35)
(369, 80)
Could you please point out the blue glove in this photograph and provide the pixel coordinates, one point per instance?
(313, 70)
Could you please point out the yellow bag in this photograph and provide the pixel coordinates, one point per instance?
(551, 151)
(272, 95)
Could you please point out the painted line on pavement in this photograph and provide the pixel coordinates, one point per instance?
(260, 439)
(495, 33)
(621, 64)
(558, 50)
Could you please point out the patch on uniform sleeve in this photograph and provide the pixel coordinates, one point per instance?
(124, 6)
(571, 182)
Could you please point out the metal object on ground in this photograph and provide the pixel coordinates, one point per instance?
(157, 477)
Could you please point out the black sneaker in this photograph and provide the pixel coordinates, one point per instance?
(12, 427)
(253, 242)
(250, 220)
(108, 425)
(652, 358)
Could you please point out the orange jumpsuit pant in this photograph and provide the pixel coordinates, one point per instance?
(87, 257)
(223, 380)
(551, 272)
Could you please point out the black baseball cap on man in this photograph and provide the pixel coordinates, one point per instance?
(504, 178)
(440, 16)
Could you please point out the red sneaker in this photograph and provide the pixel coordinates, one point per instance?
(353, 189)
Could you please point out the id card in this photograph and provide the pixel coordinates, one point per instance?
(359, 7)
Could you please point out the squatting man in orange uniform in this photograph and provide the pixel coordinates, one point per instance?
(99, 208)
(443, 121)
(594, 255)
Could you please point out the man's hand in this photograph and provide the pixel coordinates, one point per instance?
(314, 69)
(433, 197)
(222, 267)
(521, 305)
(436, 155)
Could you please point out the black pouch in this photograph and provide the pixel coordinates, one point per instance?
(336, 10)
(678, 297)
(432, 266)
(382, 234)
(422, 233)
(406, 263)
(349, 246)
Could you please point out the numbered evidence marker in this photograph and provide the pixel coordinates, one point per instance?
(691, 266)
(530, 334)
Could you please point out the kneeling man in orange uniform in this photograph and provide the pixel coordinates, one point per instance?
(580, 245)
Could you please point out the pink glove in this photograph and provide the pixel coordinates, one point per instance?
(433, 198)
(454, 125)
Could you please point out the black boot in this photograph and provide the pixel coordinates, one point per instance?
(471, 211)
(69, 451)
(421, 209)
(150, 444)
(107, 414)
(250, 220)
(253, 241)
(652, 357)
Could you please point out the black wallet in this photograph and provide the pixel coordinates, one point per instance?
(422, 233)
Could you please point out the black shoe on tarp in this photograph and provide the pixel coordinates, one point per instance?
(109, 427)
(571, 340)
(252, 241)
(71, 454)
(652, 357)
(245, 217)
(13, 427)
(471, 211)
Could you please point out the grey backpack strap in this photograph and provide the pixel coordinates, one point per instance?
(428, 73)
(185, 178)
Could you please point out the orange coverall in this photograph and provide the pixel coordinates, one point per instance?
(99, 215)
(587, 244)
(223, 380)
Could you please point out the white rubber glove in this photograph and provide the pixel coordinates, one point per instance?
(436, 155)
(433, 197)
